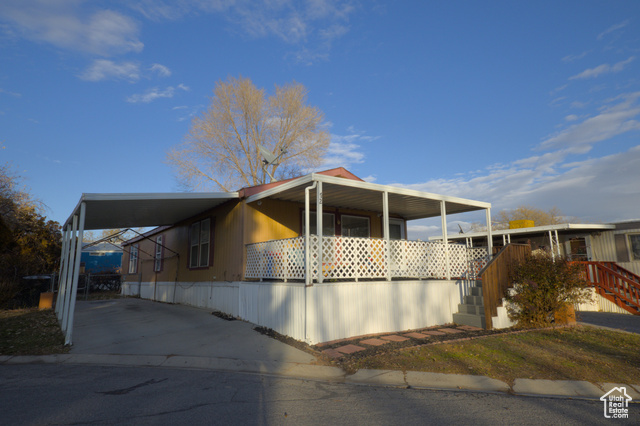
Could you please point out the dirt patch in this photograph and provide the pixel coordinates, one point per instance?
(223, 316)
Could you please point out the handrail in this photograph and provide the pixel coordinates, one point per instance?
(495, 278)
(614, 283)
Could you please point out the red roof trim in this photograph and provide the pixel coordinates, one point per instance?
(337, 172)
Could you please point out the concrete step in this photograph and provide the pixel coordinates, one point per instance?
(470, 309)
(474, 300)
(476, 291)
(469, 319)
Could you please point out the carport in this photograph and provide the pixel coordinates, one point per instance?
(108, 211)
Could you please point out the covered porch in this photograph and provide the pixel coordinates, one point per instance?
(347, 258)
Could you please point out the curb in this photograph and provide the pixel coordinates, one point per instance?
(388, 378)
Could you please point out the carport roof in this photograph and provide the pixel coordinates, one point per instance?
(108, 211)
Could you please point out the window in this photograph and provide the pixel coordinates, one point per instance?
(355, 226)
(328, 224)
(133, 259)
(200, 242)
(157, 265)
(634, 245)
(396, 229)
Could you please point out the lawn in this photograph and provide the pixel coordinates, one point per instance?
(30, 332)
(576, 353)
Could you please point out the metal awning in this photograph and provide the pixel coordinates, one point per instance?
(346, 193)
(541, 230)
(108, 211)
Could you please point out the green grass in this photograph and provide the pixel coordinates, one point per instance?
(578, 353)
(30, 332)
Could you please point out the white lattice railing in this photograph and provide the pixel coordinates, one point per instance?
(356, 258)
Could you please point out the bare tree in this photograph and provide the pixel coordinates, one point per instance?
(221, 150)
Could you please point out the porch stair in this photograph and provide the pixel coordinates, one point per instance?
(616, 284)
(471, 312)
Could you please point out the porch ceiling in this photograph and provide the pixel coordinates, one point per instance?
(349, 194)
(108, 211)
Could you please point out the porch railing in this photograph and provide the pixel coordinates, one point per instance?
(355, 258)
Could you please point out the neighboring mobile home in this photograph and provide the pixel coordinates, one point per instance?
(610, 254)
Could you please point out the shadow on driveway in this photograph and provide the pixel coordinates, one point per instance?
(142, 327)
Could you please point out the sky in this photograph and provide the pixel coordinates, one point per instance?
(512, 103)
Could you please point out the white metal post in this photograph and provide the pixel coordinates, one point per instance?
(555, 231)
(64, 263)
(445, 238)
(76, 273)
(68, 280)
(319, 230)
(385, 232)
(489, 235)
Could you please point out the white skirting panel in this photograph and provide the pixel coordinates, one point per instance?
(600, 304)
(279, 306)
(340, 310)
(335, 310)
(220, 296)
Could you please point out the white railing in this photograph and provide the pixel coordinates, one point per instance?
(354, 258)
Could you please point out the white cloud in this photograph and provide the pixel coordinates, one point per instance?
(103, 69)
(612, 120)
(160, 70)
(10, 93)
(155, 93)
(613, 28)
(602, 69)
(346, 150)
(66, 25)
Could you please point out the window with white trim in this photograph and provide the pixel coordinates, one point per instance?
(396, 229)
(199, 243)
(133, 259)
(157, 264)
(634, 246)
(355, 226)
(328, 224)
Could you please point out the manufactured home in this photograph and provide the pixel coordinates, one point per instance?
(257, 254)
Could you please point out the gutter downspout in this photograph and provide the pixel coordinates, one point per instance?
(308, 279)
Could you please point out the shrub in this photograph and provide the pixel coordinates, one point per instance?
(542, 286)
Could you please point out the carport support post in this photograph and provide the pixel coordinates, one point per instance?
(69, 276)
(445, 239)
(76, 273)
(64, 263)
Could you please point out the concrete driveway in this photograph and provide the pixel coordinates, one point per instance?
(140, 327)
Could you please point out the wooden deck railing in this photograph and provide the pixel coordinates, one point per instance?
(615, 284)
(495, 277)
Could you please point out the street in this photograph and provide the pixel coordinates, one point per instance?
(74, 394)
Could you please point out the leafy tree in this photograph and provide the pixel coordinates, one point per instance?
(542, 286)
(29, 244)
(221, 149)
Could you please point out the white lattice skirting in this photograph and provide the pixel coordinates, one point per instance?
(350, 258)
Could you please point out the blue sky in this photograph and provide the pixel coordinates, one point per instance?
(507, 102)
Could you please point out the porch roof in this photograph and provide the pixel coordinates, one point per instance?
(346, 193)
(108, 211)
(542, 230)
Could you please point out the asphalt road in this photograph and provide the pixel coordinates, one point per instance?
(92, 395)
(630, 323)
